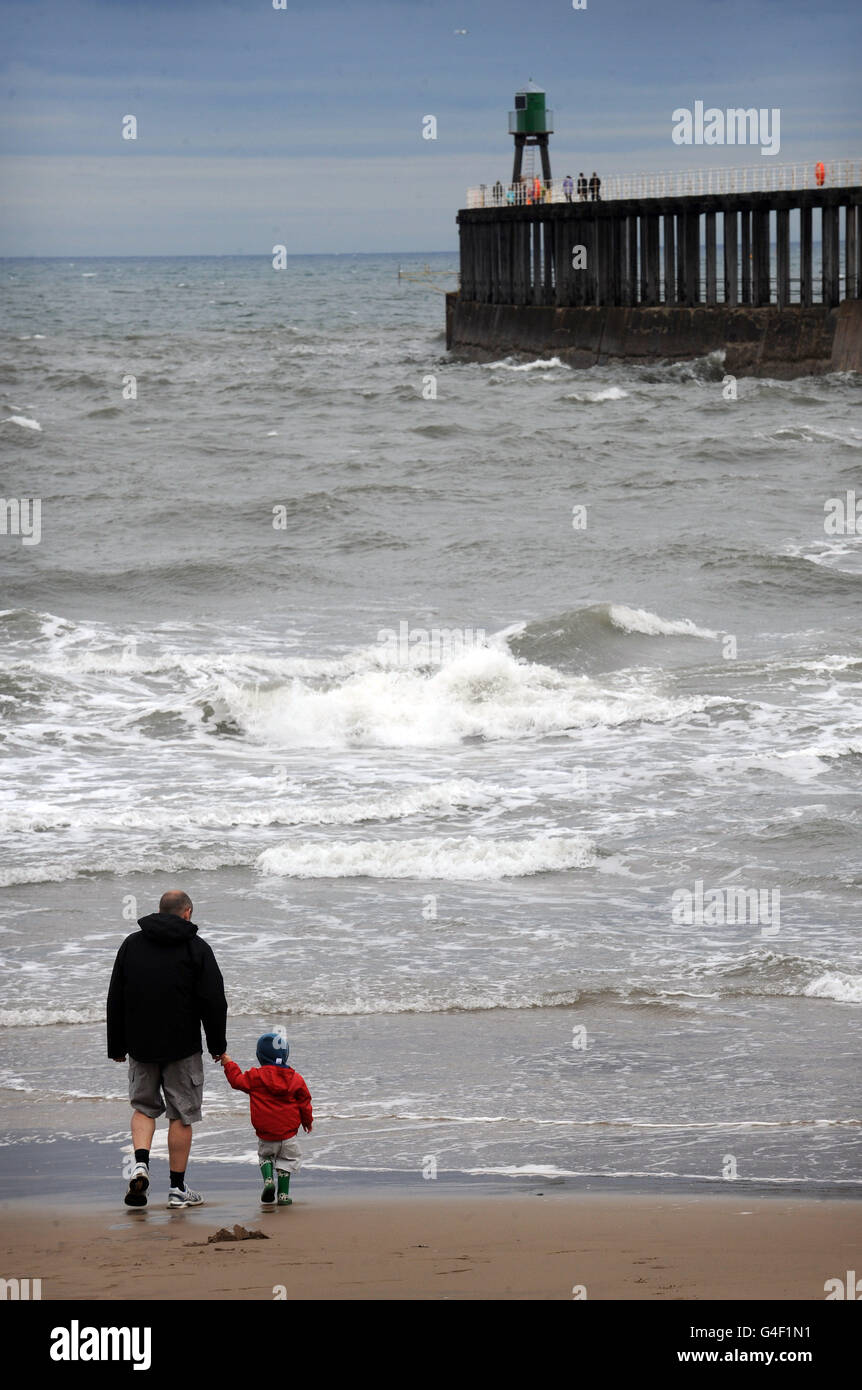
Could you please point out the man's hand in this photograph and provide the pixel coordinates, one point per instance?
(118, 1059)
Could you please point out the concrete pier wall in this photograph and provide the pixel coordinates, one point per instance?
(769, 341)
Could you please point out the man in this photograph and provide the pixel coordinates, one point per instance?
(595, 185)
(568, 187)
(582, 187)
(165, 984)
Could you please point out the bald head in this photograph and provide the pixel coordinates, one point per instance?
(176, 902)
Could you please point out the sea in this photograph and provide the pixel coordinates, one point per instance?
(501, 719)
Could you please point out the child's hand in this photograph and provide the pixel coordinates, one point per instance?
(223, 1058)
(307, 1128)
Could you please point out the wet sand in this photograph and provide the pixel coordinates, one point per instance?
(442, 1244)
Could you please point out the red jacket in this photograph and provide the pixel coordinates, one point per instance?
(280, 1099)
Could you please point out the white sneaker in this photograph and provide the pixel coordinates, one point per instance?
(184, 1197)
(138, 1184)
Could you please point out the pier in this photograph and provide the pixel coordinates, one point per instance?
(692, 271)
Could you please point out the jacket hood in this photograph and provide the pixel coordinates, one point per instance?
(278, 1079)
(167, 930)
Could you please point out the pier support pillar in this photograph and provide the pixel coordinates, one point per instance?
(586, 281)
(466, 282)
(507, 290)
(851, 253)
(689, 258)
(602, 248)
(536, 237)
(745, 257)
(563, 239)
(806, 260)
(760, 257)
(630, 280)
(731, 258)
(548, 234)
(852, 249)
(669, 259)
(711, 276)
(782, 255)
(650, 269)
(830, 251)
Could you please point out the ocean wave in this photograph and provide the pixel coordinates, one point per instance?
(609, 393)
(759, 974)
(122, 865)
(281, 809)
(587, 636)
(36, 1017)
(486, 693)
(771, 973)
(844, 555)
(540, 364)
(651, 625)
(471, 858)
(23, 420)
(845, 989)
(809, 434)
(697, 369)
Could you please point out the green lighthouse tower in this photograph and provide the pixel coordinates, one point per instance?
(531, 124)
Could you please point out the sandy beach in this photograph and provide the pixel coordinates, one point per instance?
(444, 1245)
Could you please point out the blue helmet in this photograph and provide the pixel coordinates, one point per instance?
(273, 1050)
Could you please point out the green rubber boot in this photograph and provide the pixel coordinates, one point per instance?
(267, 1197)
(284, 1199)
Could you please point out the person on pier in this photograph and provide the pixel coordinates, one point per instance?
(595, 186)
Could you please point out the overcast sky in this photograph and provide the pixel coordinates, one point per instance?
(304, 126)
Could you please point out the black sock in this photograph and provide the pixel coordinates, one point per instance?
(142, 1156)
(178, 1179)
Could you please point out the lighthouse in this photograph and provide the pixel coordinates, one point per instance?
(531, 124)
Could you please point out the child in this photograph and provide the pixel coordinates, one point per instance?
(280, 1101)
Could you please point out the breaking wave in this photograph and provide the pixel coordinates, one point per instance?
(470, 858)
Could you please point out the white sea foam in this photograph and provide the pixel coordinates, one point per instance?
(23, 420)
(280, 809)
(485, 693)
(845, 989)
(539, 365)
(651, 625)
(87, 653)
(609, 393)
(843, 554)
(470, 858)
(47, 1017)
(61, 871)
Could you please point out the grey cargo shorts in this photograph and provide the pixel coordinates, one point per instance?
(172, 1088)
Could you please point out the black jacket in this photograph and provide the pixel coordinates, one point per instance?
(165, 984)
